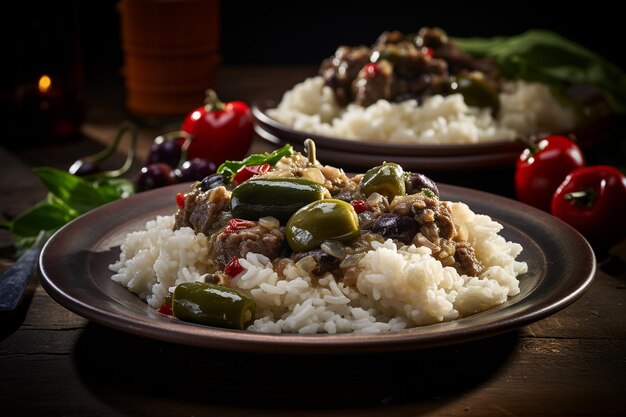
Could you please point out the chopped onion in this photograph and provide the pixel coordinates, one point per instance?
(269, 222)
(351, 261)
(307, 264)
(421, 240)
(313, 174)
(334, 248)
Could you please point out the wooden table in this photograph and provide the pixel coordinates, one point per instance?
(55, 363)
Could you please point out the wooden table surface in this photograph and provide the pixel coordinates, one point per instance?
(56, 363)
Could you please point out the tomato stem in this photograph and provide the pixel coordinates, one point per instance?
(212, 102)
(530, 144)
(581, 198)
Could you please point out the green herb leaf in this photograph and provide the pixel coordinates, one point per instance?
(44, 216)
(69, 196)
(544, 56)
(229, 168)
(76, 192)
(428, 192)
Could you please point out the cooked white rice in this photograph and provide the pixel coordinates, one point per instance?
(397, 288)
(526, 108)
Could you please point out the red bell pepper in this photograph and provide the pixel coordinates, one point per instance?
(593, 200)
(542, 167)
(221, 131)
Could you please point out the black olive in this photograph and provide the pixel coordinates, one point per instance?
(212, 181)
(416, 182)
(396, 226)
(325, 262)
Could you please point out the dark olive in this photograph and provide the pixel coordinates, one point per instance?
(212, 181)
(476, 91)
(415, 182)
(325, 262)
(396, 226)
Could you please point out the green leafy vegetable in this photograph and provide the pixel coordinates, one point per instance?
(69, 196)
(544, 56)
(229, 168)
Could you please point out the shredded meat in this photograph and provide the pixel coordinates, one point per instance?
(202, 209)
(465, 260)
(239, 242)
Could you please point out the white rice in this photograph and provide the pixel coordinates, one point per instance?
(397, 287)
(526, 108)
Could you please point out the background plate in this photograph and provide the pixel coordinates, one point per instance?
(74, 271)
(448, 157)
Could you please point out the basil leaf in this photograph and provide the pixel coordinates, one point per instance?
(45, 216)
(114, 188)
(230, 168)
(76, 192)
(544, 56)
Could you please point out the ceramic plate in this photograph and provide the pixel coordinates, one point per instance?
(449, 157)
(74, 271)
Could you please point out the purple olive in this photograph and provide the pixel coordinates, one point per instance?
(166, 151)
(155, 176)
(396, 226)
(416, 182)
(195, 170)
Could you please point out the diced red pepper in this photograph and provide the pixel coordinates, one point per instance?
(166, 308)
(247, 172)
(371, 70)
(359, 205)
(233, 268)
(237, 224)
(428, 52)
(180, 200)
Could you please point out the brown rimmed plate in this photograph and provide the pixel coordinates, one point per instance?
(74, 271)
(432, 157)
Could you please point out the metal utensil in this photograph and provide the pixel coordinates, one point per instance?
(15, 280)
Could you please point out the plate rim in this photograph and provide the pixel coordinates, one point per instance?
(259, 112)
(154, 325)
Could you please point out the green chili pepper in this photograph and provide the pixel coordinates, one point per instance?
(320, 221)
(386, 179)
(277, 197)
(213, 305)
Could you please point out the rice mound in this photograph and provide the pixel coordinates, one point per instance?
(526, 108)
(398, 287)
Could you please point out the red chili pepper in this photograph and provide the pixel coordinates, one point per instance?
(541, 168)
(247, 172)
(166, 308)
(371, 70)
(180, 200)
(593, 200)
(359, 205)
(237, 224)
(221, 131)
(428, 52)
(233, 268)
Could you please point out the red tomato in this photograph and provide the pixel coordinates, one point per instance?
(593, 201)
(541, 168)
(222, 131)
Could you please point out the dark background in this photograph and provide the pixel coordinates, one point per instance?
(298, 33)
(81, 40)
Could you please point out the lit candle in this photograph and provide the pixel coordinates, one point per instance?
(44, 85)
